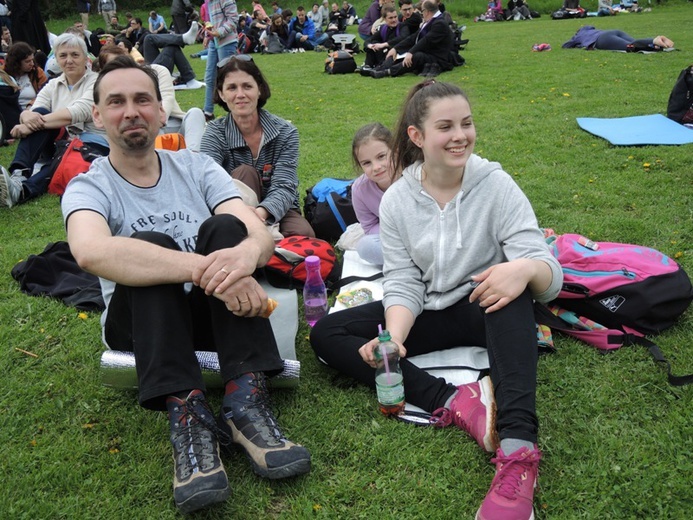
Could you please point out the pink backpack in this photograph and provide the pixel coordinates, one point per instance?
(613, 294)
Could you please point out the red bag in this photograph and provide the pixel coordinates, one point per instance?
(71, 158)
(287, 269)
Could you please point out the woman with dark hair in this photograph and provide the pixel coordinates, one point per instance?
(464, 260)
(254, 146)
(280, 28)
(20, 81)
(30, 78)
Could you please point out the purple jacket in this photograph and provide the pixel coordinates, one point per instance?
(585, 38)
(372, 15)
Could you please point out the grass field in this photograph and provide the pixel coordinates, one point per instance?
(617, 439)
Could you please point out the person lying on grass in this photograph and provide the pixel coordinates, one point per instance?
(176, 248)
(464, 260)
(588, 37)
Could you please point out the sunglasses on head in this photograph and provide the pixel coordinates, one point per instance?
(239, 57)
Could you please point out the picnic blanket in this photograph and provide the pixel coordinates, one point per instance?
(654, 129)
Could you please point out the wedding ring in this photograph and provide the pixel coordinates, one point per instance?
(222, 270)
(242, 301)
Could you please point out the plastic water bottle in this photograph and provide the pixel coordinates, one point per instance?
(314, 292)
(389, 382)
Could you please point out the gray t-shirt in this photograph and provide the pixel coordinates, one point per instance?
(191, 186)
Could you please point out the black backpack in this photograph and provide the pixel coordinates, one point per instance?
(328, 208)
(340, 62)
(680, 107)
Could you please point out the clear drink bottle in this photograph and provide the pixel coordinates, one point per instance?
(389, 382)
(314, 292)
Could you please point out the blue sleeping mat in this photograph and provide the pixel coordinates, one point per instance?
(639, 130)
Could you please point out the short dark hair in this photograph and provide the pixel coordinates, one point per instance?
(125, 62)
(127, 43)
(248, 67)
(138, 20)
(430, 6)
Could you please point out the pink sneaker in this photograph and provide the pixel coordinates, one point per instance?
(473, 410)
(511, 495)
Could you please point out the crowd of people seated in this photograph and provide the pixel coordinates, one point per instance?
(417, 39)
(514, 10)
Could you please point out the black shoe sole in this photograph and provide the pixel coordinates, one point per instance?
(204, 499)
(296, 468)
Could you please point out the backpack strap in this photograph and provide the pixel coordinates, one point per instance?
(656, 353)
(602, 337)
(354, 278)
(335, 211)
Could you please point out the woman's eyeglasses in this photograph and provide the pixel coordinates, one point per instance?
(239, 57)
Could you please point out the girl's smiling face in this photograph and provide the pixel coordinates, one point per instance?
(375, 161)
(447, 135)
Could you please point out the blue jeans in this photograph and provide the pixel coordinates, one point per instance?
(215, 55)
(615, 40)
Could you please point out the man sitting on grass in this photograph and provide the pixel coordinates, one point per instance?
(427, 52)
(176, 248)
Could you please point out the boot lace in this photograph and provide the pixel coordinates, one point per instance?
(194, 436)
(258, 407)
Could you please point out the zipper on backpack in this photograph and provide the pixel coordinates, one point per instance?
(588, 274)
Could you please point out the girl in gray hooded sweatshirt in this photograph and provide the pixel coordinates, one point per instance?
(464, 259)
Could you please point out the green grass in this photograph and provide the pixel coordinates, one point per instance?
(617, 439)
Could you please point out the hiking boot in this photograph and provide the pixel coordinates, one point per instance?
(424, 72)
(512, 491)
(10, 187)
(199, 479)
(247, 418)
(473, 410)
